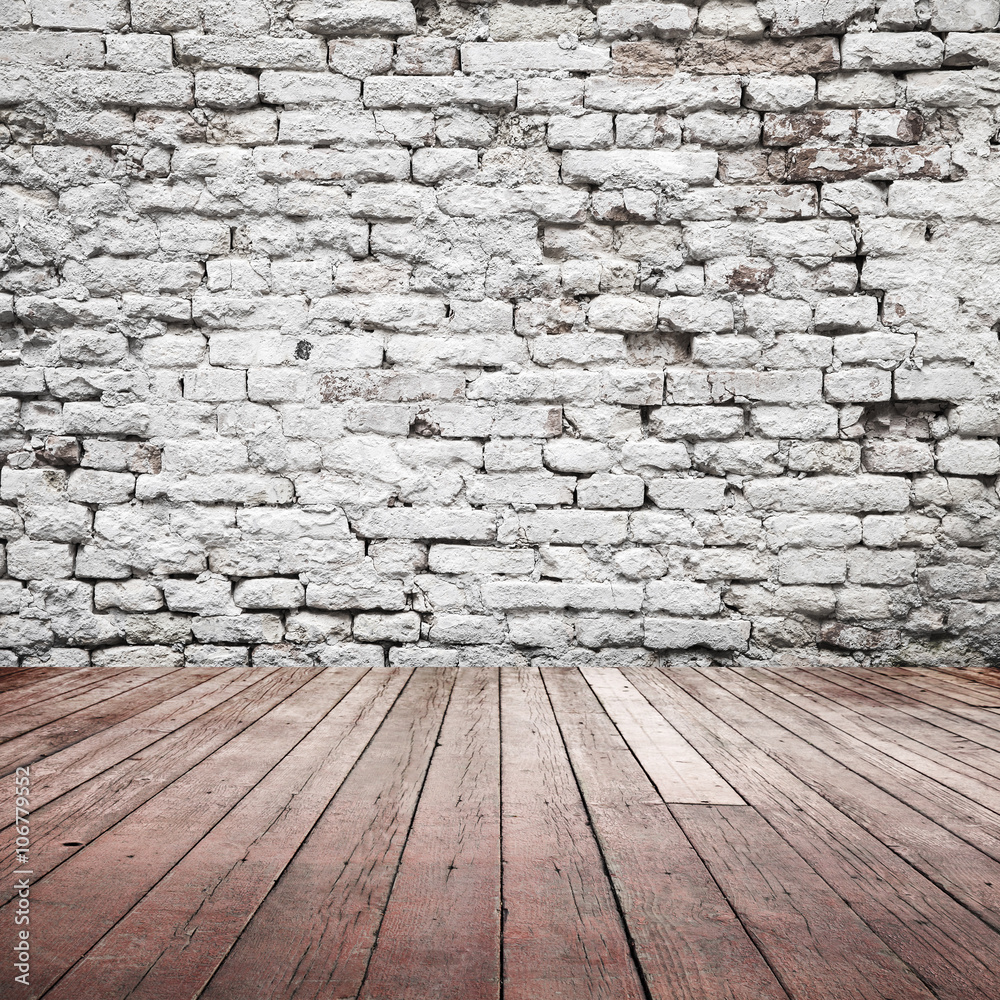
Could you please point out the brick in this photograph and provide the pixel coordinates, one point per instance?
(638, 168)
(893, 52)
(585, 596)
(504, 57)
(434, 92)
(681, 94)
(681, 633)
(370, 17)
(830, 494)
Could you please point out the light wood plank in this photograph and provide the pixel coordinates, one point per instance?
(33, 714)
(907, 739)
(687, 938)
(679, 772)
(922, 688)
(951, 949)
(903, 698)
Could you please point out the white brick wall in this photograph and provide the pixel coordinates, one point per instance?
(328, 330)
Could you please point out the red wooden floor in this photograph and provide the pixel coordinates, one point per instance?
(532, 834)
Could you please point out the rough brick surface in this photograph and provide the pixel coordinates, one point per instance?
(376, 332)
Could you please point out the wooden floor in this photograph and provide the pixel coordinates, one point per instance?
(463, 834)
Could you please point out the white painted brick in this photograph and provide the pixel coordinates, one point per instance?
(681, 633)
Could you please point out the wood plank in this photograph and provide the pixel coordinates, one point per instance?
(171, 942)
(957, 867)
(312, 936)
(976, 675)
(40, 683)
(44, 740)
(805, 694)
(949, 948)
(679, 772)
(562, 934)
(30, 711)
(862, 716)
(441, 928)
(929, 694)
(106, 878)
(902, 698)
(952, 811)
(687, 939)
(959, 688)
(15, 678)
(815, 943)
(69, 822)
(89, 758)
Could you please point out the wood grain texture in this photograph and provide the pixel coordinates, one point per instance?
(447, 834)
(65, 825)
(687, 938)
(814, 942)
(21, 721)
(94, 755)
(951, 949)
(950, 862)
(442, 921)
(313, 935)
(902, 698)
(960, 814)
(108, 876)
(171, 942)
(679, 772)
(562, 934)
(921, 685)
(33, 682)
(43, 740)
(927, 749)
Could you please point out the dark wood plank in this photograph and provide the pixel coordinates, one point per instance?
(562, 934)
(956, 866)
(441, 927)
(903, 698)
(313, 935)
(106, 878)
(679, 772)
(16, 678)
(47, 739)
(92, 756)
(73, 820)
(960, 814)
(40, 684)
(977, 675)
(815, 943)
(896, 733)
(949, 948)
(35, 712)
(687, 938)
(171, 942)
